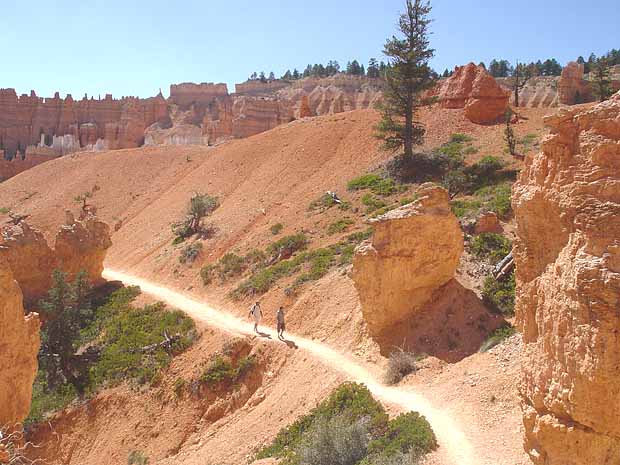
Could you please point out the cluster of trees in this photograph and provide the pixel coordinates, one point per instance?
(503, 68)
(374, 69)
(611, 58)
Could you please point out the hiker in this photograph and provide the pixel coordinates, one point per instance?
(281, 324)
(257, 314)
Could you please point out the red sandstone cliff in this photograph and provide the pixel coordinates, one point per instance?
(567, 253)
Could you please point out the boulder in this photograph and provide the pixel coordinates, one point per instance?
(471, 87)
(488, 222)
(414, 251)
(567, 255)
(19, 346)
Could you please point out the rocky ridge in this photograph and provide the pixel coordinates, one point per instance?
(567, 253)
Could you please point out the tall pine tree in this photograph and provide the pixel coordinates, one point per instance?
(408, 74)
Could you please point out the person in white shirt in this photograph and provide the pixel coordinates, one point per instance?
(257, 314)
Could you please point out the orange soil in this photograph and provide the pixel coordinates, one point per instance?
(262, 180)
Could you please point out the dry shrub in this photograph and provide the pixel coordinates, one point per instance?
(400, 364)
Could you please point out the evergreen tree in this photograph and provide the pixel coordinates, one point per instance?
(407, 76)
(296, 74)
(373, 68)
(287, 76)
(253, 76)
(66, 310)
(272, 76)
(446, 73)
(261, 77)
(601, 81)
(308, 71)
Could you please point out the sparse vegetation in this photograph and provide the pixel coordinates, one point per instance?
(490, 246)
(509, 135)
(339, 226)
(350, 427)
(500, 295)
(221, 370)
(200, 206)
(287, 246)
(378, 185)
(231, 265)
(497, 337)
(317, 262)
(491, 198)
(400, 364)
(372, 203)
(190, 253)
(276, 228)
(4, 210)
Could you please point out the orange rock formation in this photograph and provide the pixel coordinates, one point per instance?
(19, 346)
(572, 88)
(80, 245)
(473, 88)
(414, 251)
(567, 253)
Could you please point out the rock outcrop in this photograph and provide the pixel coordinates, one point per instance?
(471, 87)
(572, 87)
(567, 254)
(414, 251)
(487, 222)
(19, 346)
(304, 108)
(80, 245)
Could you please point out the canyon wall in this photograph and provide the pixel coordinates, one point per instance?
(567, 254)
(19, 347)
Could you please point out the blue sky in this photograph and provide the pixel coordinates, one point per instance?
(135, 47)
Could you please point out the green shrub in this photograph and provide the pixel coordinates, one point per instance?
(126, 333)
(407, 433)
(339, 226)
(206, 273)
(325, 202)
(4, 210)
(190, 253)
(231, 265)
(372, 203)
(364, 182)
(378, 185)
(276, 228)
(460, 138)
(334, 441)
(287, 246)
(497, 199)
(490, 246)
(200, 206)
(497, 337)
(500, 295)
(465, 208)
(350, 427)
(470, 150)
(46, 400)
(222, 371)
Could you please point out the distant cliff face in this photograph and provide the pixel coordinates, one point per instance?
(34, 130)
(567, 253)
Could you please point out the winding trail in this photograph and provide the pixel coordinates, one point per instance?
(453, 443)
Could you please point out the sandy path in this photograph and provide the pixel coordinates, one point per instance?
(454, 449)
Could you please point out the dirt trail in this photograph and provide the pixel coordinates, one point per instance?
(455, 448)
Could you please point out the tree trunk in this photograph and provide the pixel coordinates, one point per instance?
(408, 136)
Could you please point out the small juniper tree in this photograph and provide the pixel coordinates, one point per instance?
(407, 75)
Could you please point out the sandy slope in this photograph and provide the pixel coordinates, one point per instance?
(454, 445)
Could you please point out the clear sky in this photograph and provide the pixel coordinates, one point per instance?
(134, 47)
